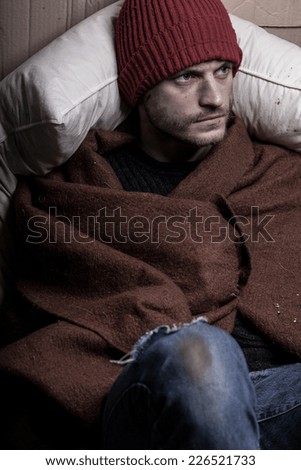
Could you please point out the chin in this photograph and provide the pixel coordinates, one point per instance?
(208, 138)
(204, 133)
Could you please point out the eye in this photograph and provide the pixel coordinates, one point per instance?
(225, 69)
(184, 78)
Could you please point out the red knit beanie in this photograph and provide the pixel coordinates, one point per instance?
(155, 39)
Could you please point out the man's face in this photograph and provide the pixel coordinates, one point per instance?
(192, 107)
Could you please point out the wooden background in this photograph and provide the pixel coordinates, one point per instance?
(28, 25)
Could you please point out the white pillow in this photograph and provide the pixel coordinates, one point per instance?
(51, 101)
(267, 90)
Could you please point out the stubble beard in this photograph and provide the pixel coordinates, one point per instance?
(172, 127)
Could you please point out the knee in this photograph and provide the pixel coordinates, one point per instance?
(209, 353)
(198, 351)
(201, 346)
(195, 356)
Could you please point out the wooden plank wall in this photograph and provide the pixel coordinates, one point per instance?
(28, 25)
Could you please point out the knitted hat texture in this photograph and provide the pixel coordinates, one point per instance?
(155, 39)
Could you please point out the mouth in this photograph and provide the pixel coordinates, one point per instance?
(211, 118)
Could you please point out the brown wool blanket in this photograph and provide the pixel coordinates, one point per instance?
(100, 266)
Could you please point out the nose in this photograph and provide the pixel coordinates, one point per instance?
(210, 93)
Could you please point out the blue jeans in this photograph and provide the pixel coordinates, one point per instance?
(278, 408)
(190, 388)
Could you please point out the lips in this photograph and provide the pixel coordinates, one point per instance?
(211, 118)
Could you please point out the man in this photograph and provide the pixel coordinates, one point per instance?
(160, 269)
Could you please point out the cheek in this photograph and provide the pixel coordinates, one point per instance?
(228, 92)
(161, 104)
(170, 106)
(183, 104)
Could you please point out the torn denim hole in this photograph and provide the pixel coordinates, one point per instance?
(144, 340)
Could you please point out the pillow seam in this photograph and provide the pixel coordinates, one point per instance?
(266, 78)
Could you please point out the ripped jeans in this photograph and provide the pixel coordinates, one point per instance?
(190, 388)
